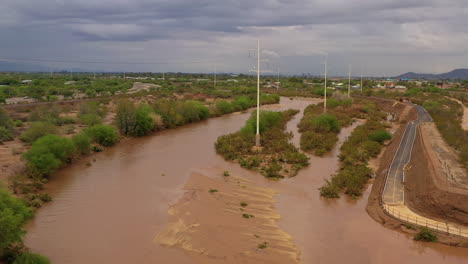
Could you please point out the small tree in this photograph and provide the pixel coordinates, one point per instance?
(82, 143)
(125, 118)
(13, 214)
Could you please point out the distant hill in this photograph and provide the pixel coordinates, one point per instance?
(459, 74)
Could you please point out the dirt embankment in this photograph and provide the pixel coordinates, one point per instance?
(374, 208)
(234, 224)
(382, 164)
(431, 188)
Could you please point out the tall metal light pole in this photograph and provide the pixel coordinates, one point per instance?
(349, 80)
(215, 69)
(278, 82)
(325, 86)
(257, 136)
(362, 72)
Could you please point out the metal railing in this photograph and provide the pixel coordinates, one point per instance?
(425, 222)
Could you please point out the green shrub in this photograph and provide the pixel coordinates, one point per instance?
(125, 117)
(30, 258)
(325, 123)
(329, 190)
(380, 136)
(37, 130)
(13, 214)
(90, 119)
(223, 107)
(5, 134)
(318, 143)
(48, 153)
(82, 143)
(105, 135)
(18, 123)
(250, 162)
(144, 123)
(268, 119)
(425, 235)
(272, 171)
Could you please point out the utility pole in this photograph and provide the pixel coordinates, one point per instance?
(278, 82)
(163, 76)
(349, 80)
(215, 76)
(257, 136)
(94, 74)
(362, 72)
(325, 86)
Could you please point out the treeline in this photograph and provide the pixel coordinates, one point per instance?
(320, 130)
(364, 143)
(277, 157)
(243, 102)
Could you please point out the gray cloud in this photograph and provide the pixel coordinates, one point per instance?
(389, 36)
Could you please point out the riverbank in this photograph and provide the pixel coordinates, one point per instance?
(374, 206)
(134, 184)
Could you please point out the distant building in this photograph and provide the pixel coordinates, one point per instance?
(26, 81)
(70, 82)
(400, 87)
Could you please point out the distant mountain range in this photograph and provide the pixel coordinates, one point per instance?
(458, 74)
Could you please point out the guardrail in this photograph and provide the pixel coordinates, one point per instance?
(425, 222)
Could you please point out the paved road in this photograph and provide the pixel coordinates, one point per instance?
(394, 187)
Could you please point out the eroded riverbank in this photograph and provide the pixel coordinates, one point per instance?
(112, 211)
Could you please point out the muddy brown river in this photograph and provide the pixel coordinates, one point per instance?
(110, 212)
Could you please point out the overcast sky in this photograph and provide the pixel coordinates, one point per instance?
(382, 37)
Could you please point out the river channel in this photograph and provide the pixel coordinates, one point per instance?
(110, 212)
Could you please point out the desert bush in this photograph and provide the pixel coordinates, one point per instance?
(325, 123)
(329, 190)
(37, 130)
(13, 214)
(31, 258)
(425, 235)
(48, 153)
(224, 107)
(143, 121)
(82, 143)
(318, 143)
(125, 117)
(105, 135)
(268, 119)
(380, 136)
(90, 119)
(5, 134)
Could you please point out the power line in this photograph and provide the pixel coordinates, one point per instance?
(106, 62)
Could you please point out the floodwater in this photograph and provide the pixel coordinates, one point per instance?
(110, 212)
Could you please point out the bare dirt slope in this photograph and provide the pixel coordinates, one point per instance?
(210, 226)
(436, 186)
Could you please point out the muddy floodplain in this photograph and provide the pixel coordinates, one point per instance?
(147, 200)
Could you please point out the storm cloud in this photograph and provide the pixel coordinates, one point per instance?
(384, 37)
